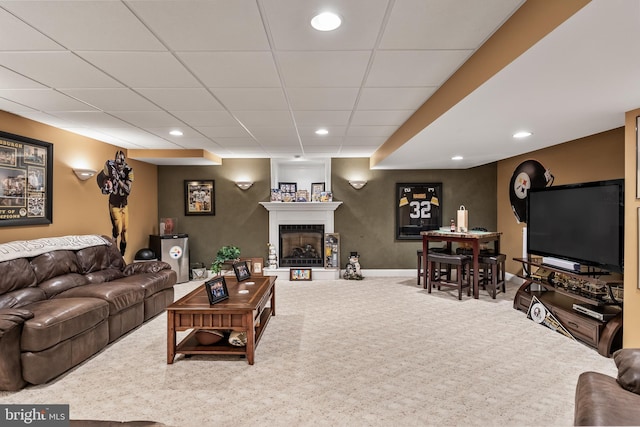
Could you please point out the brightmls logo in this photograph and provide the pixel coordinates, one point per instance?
(34, 415)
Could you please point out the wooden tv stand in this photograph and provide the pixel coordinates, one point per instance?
(560, 294)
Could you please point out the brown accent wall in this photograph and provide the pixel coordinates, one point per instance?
(78, 206)
(366, 219)
(239, 220)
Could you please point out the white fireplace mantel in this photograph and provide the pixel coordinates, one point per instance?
(301, 206)
(299, 213)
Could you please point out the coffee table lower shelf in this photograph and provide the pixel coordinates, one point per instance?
(190, 345)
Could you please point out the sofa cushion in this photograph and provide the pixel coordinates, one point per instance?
(55, 263)
(106, 275)
(56, 320)
(58, 284)
(21, 297)
(16, 274)
(150, 282)
(628, 363)
(92, 259)
(145, 267)
(119, 295)
(116, 259)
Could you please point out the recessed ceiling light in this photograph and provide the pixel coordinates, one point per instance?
(457, 158)
(176, 132)
(326, 21)
(522, 134)
(322, 132)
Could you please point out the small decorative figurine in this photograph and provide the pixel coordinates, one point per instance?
(352, 271)
(273, 258)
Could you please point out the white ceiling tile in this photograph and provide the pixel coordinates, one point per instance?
(137, 137)
(147, 118)
(163, 132)
(100, 136)
(311, 130)
(182, 99)
(206, 118)
(204, 25)
(92, 119)
(290, 24)
(264, 118)
(56, 69)
(84, 25)
(444, 24)
(16, 35)
(12, 80)
(322, 98)
(44, 99)
(13, 107)
(276, 132)
(324, 149)
(232, 69)
(142, 69)
(309, 141)
(322, 118)
(238, 99)
(45, 118)
(323, 69)
(414, 68)
(223, 131)
(365, 140)
(397, 98)
(380, 118)
(237, 142)
(115, 99)
(385, 131)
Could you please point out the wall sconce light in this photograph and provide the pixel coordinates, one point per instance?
(84, 174)
(244, 185)
(358, 184)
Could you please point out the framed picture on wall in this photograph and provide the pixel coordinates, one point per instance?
(418, 208)
(26, 181)
(199, 197)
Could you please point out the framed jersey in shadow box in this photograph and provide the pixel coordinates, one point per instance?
(418, 208)
(26, 181)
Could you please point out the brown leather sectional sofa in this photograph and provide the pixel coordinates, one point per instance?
(60, 307)
(602, 400)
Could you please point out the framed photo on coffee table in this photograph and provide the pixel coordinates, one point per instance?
(216, 289)
(242, 270)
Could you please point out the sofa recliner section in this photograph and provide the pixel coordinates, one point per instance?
(58, 308)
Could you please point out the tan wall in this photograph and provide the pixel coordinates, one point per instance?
(593, 158)
(631, 335)
(78, 206)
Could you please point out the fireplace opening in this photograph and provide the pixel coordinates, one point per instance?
(301, 245)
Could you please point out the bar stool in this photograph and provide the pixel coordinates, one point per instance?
(420, 272)
(493, 274)
(460, 263)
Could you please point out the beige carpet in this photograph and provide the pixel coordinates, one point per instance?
(377, 352)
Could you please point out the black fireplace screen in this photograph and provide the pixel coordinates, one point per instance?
(301, 245)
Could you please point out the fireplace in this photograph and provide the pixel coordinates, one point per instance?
(310, 213)
(301, 245)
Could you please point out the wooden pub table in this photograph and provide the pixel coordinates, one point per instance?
(474, 238)
(249, 312)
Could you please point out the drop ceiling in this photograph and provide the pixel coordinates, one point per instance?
(251, 78)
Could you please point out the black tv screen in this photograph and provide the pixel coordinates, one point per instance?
(582, 223)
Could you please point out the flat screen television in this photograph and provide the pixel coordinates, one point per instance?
(581, 223)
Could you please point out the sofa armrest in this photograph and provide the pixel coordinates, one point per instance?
(145, 267)
(600, 401)
(11, 321)
(628, 363)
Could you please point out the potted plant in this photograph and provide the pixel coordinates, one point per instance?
(225, 254)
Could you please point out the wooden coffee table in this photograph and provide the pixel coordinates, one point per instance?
(249, 312)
